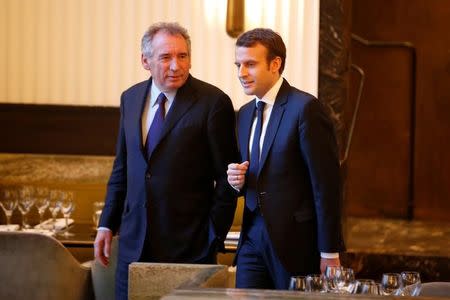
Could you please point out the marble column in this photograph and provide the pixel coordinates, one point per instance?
(334, 61)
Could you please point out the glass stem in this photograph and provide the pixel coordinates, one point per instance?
(67, 223)
(54, 222)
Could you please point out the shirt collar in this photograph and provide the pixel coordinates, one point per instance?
(271, 95)
(154, 93)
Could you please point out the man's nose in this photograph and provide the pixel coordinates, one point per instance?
(242, 71)
(174, 64)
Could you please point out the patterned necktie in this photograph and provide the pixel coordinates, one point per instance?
(251, 195)
(156, 126)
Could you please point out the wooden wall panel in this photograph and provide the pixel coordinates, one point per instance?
(52, 129)
(425, 23)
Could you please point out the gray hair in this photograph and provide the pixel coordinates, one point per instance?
(171, 28)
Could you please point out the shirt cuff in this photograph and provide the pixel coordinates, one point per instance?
(329, 255)
(103, 229)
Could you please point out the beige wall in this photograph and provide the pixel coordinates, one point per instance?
(85, 52)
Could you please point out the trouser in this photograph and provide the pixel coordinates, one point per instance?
(257, 263)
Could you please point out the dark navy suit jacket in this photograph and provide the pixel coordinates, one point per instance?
(298, 184)
(179, 196)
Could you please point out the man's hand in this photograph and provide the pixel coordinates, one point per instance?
(236, 174)
(324, 262)
(102, 246)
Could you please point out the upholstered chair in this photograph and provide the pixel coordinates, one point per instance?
(36, 266)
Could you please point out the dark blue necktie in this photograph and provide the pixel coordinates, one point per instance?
(156, 126)
(251, 195)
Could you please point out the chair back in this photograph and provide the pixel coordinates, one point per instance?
(103, 278)
(36, 266)
(435, 289)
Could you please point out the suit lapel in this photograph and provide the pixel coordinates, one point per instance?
(138, 109)
(184, 99)
(274, 122)
(245, 126)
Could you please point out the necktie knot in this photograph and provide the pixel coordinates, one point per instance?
(260, 106)
(161, 100)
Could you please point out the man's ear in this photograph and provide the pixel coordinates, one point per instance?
(275, 64)
(145, 62)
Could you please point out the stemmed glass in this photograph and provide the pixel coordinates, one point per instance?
(316, 283)
(345, 281)
(54, 207)
(42, 201)
(8, 202)
(391, 283)
(412, 283)
(67, 207)
(26, 201)
(366, 286)
(97, 207)
(297, 283)
(333, 274)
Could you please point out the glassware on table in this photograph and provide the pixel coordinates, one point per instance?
(54, 206)
(297, 283)
(316, 283)
(391, 283)
(67, 206)
(42, 201)
(8, 201)
(345, 282)
(97, 208)
(333, 274)
(412, 284)
(26, 201)
(366, 286)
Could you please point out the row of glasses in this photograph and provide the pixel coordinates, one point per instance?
(406, 283)
(338, 279)
(25, 197)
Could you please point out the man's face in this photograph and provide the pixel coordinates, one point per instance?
(256, 75)
(169, 63)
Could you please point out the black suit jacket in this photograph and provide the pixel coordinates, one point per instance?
(179, 196)
(298, 184)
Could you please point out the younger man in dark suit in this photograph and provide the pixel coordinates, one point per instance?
(289, 172)
(168, 195)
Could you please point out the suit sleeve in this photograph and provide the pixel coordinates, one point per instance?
(116, 187)
(320, 152)
(223, 148)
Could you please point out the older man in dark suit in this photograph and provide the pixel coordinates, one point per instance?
(290, 168)
(168, 195)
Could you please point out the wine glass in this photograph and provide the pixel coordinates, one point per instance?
(297, 283)
(345, 281)
(316, 283)
(391, 283)
(333, 274)
(42, 201)
(26, 201)
(411, 282)
(97, 207)
(54, 206)
(67, 206)
(366, 286)
(8, 202)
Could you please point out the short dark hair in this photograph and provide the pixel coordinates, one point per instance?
(269, 39)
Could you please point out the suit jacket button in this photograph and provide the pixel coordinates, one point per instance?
(147, 176)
